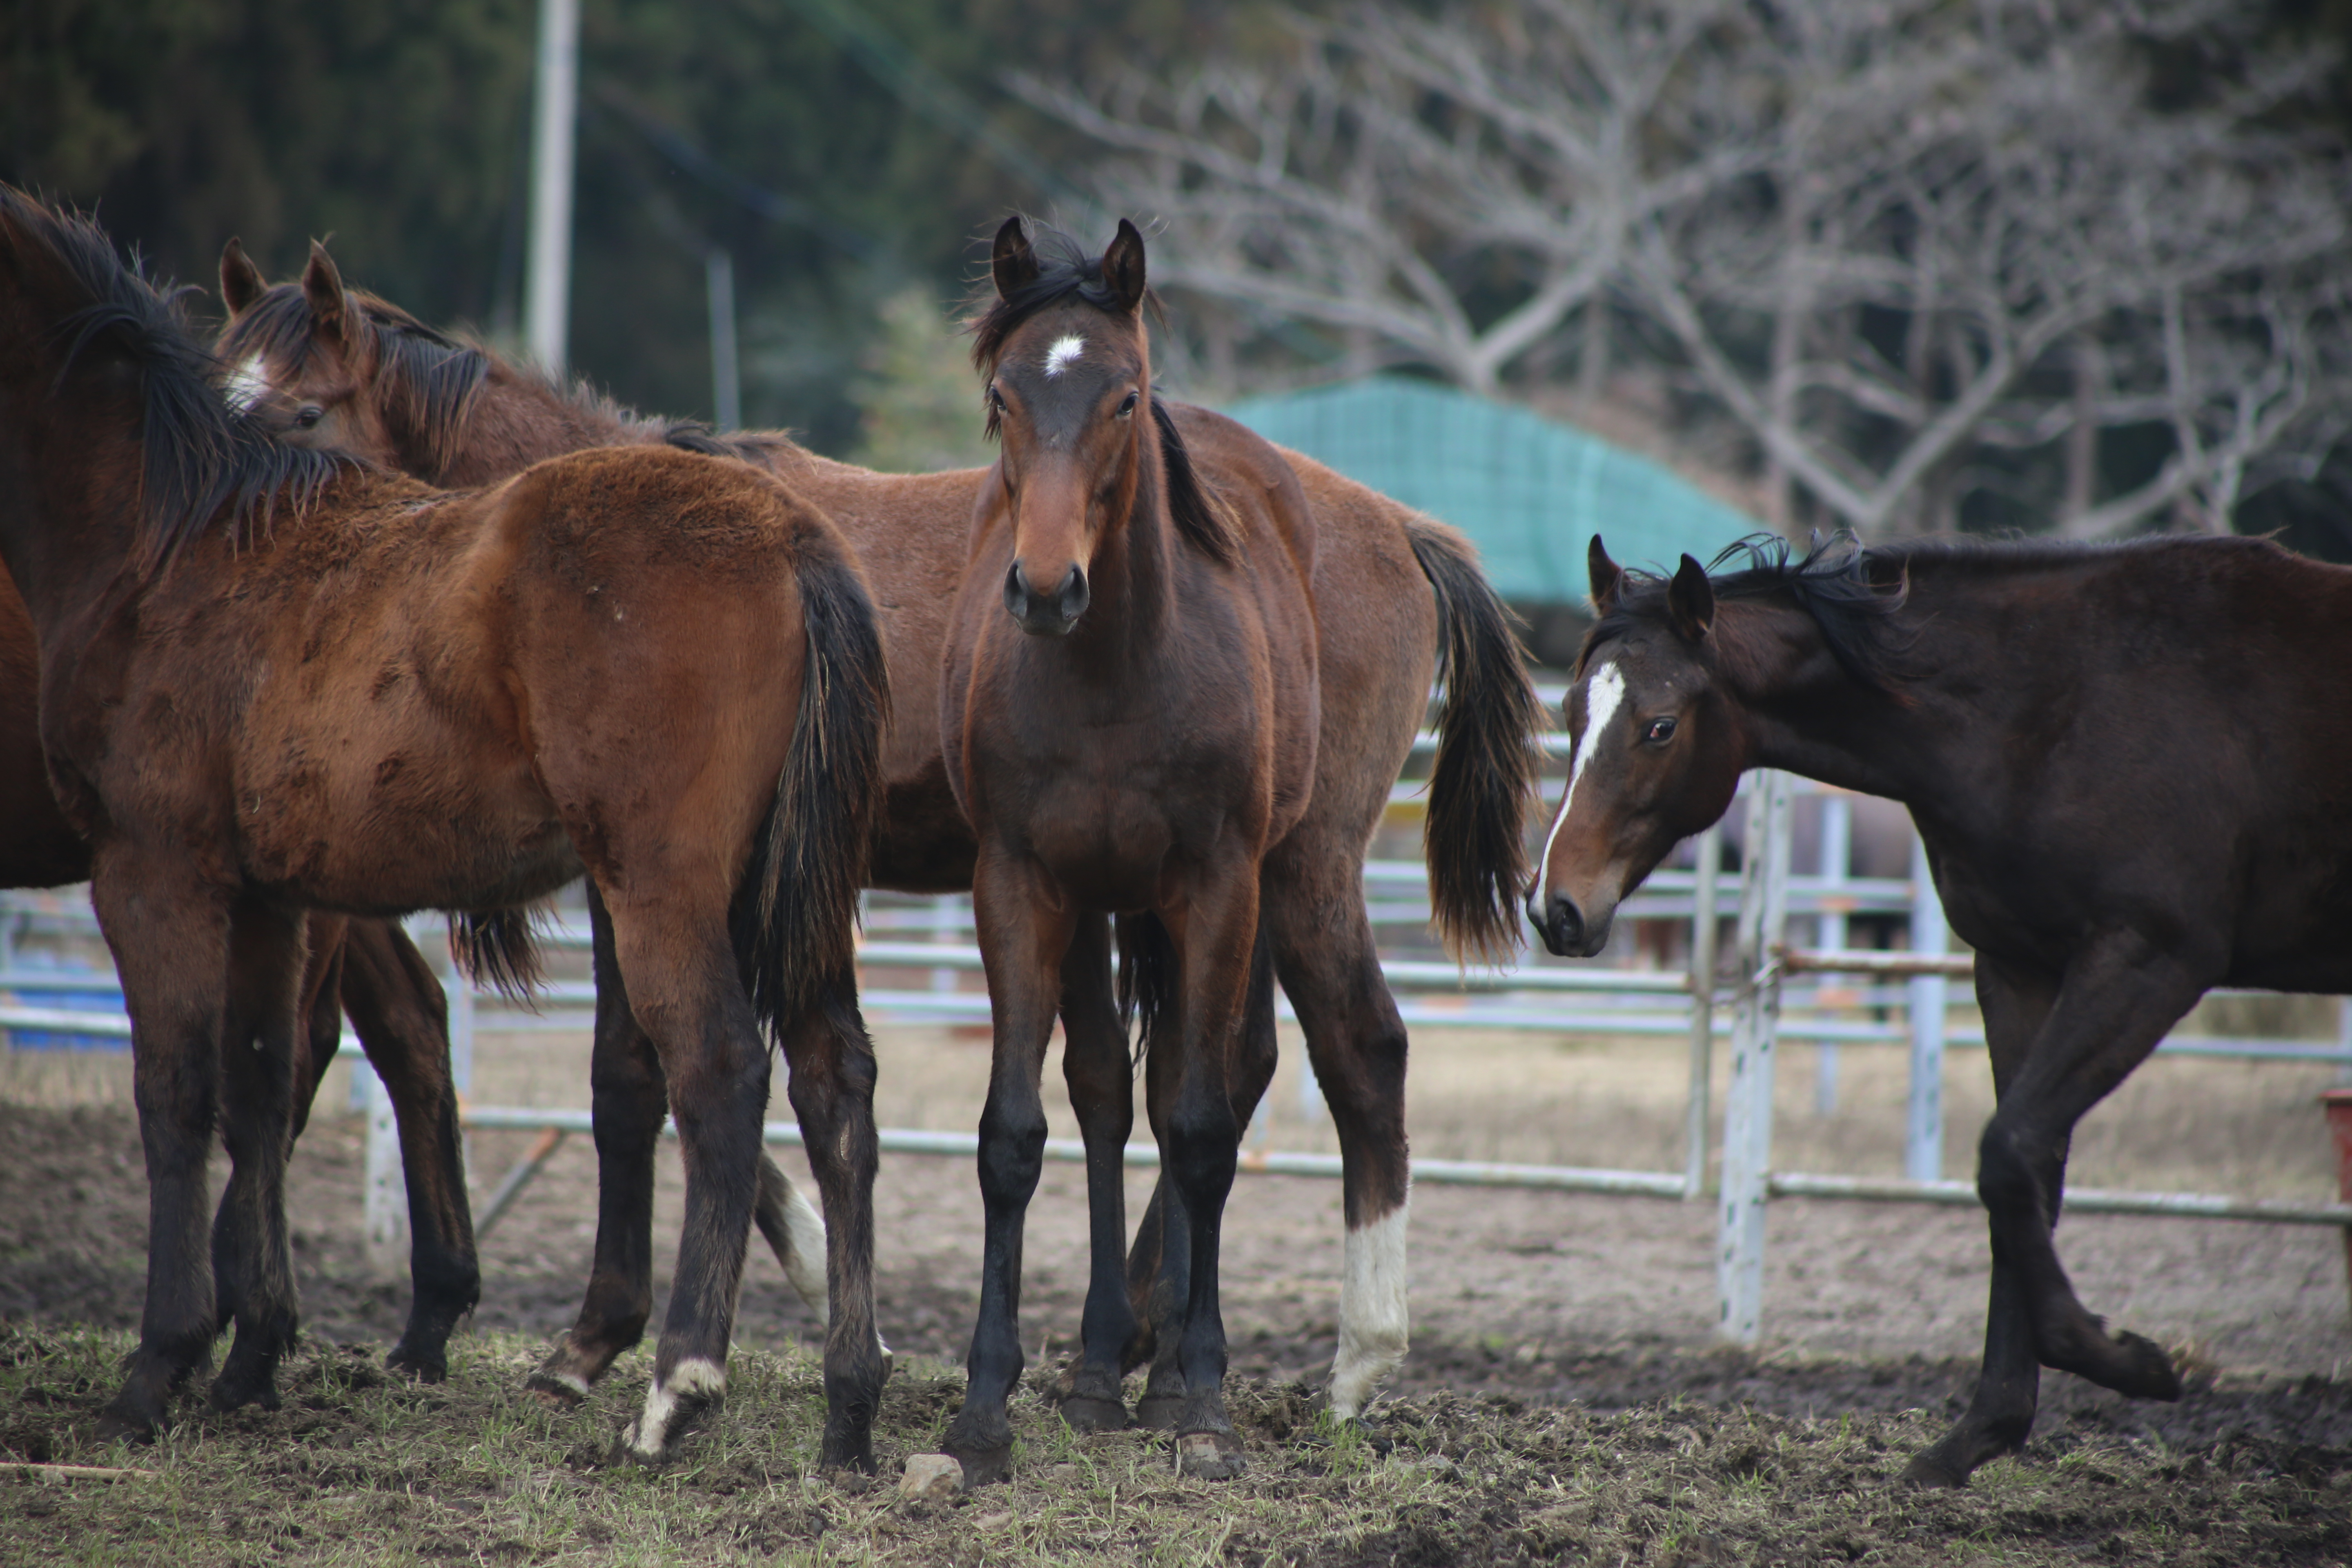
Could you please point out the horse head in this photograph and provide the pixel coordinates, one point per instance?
(332, 368)
(1657, 749)
(1069, 378)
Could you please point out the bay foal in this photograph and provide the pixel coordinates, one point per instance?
(1410, 603)
(2131, 766)
(1129, 719)
(274, 681)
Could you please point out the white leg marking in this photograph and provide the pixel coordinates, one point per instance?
(1603, 692)
(804, 1227)
(1373, 1322)
(692, 1378)
(247, 386)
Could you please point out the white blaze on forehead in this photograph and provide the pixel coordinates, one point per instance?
(247, 386)
(1064, 353)
(1602, 693)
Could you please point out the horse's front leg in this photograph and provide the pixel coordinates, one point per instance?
(1102, 1091)
(1215, 933)
(252, 1263)
(402, 1017)
(629, 1099)
(170, 936)
(2117, 1001)
(1025, 928)
(831, 1063)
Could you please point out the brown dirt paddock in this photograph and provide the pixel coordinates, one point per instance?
(1563, 1402)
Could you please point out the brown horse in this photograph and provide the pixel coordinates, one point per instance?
(274, 681)
(367, 967)
(2129, 765)
(1129, 719)
(1409, 601)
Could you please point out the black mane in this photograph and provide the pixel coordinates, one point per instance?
(1852, 594)
(1066, 271)
(197, 459)
(1856, 593)
(426, 380)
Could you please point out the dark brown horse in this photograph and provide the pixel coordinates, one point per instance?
(368, 968)
(1410, 602)
(1129, 719)
(274, 681)
(2132, 769)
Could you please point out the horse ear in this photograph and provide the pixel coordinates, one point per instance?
(1122, 266)
(1607, 576)
(242, 285)
(1014, 263)
(323, 287)
(1690, 599)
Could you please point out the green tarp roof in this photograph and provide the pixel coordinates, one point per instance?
(1529, 492)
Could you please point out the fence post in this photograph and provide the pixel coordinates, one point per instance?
(1754, 1022)
(1829, 927)
(1702, 1027)
(386, 1201)
(1923, 1141)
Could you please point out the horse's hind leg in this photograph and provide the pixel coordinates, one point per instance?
(629, 1096)
(1159, 1268)
(402, 1017)
(830, 1061)
(684, 986)
(2113, 1006)
(1102, 1091)
(1325, 956)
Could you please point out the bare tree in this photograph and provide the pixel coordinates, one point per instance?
(1904, 246)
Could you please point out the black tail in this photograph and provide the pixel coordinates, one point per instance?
(1478, 792)
(795, 915)
(1149, 976)
(496, 947)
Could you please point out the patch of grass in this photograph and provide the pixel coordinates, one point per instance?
(358, 1466)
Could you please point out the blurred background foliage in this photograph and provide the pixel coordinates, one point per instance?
(852, 156)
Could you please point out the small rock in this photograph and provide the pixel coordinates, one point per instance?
(996, 1520)
(1199, 1455)
(1525, 1355)
(932, 1477)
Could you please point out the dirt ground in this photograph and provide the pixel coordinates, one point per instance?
(1597, 1301)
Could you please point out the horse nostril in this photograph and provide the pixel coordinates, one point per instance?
(1073, 595)
(1567, 924)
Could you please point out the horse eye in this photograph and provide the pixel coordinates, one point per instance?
(1128, 407)
(995, 399)
(1659, 730)
(311, 413)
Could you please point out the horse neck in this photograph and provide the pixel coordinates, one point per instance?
(519, 418)
(1806, 713)
(70, 531)
(1134, 572)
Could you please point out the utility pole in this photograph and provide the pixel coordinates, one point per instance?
(547, 291)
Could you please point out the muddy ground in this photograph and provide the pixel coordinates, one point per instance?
(1556, 1336)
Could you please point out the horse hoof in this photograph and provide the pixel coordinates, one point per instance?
(1086, 1413)
(120, 1424)
(2147, 1371)
(424, 1367)
(558, 1390)
(1370, 1435)
(1932, 1470)
(983, 1467)
(231, 1391)
(1159, 1412)
(1210, 1457)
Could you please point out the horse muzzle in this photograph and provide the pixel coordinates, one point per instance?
(1046, 614)
(1566, 933)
